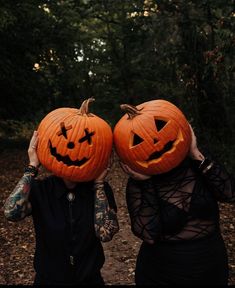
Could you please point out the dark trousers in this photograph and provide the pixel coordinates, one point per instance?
(95, 279)
(199, 262)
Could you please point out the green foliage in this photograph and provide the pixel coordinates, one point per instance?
(57, 53)
(16, 130)
(15, 134)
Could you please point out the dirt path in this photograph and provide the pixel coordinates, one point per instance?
(17, 239)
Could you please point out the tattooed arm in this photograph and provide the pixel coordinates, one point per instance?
(17, 206)
(106, 223)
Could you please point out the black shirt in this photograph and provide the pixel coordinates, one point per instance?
(179, 205)
(67, 249)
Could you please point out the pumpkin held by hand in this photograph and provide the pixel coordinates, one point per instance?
(153, 137)
(74, 144)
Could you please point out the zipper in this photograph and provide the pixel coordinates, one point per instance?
(71, 260)
(71, 198)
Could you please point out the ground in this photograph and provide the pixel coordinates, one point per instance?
(17, 239)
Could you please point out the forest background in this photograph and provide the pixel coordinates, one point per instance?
(59, 53)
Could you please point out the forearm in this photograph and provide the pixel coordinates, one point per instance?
(220, 182)
(17, 205)
(217, 178)
(106, 223)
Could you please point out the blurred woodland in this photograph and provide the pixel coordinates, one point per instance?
(58, 53)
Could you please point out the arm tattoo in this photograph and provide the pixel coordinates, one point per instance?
(17, 206)
(106, 223)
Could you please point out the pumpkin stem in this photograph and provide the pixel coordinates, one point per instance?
(132, 111)
(84, 107)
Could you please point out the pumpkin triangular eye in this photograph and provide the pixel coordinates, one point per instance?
(137, 139)
(160, 124)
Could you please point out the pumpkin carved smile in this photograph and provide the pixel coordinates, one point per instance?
(153, 137)
(66, 159)
(158, 154)
(74, 144)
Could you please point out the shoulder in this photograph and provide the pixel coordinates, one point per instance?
(41, 186)
(46, 181)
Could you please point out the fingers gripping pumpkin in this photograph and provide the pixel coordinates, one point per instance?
(153, 137)
(74, 144)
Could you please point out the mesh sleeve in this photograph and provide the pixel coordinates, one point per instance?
(143, 208)
(218, 180)
(221, 183)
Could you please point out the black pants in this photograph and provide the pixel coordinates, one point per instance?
(198, 262)
(95, 279)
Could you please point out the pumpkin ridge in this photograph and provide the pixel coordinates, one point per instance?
(142, 128)
(161, 149)
(74, 156)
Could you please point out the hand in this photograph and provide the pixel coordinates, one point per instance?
(133, 174)
(105, 172)
(194, 152)
(32, 150)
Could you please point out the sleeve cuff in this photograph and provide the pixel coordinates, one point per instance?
(204, 165)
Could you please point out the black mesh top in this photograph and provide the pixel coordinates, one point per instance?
(178, 205)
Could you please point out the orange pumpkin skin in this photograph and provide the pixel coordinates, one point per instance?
(74, 144)
(153, 137)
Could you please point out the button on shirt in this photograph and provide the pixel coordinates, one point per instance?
(67, 249)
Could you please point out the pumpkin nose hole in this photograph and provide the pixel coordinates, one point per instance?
(70, 145)
(155, 141)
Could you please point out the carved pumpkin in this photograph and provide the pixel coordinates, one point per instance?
(74, 144)
(153, 137)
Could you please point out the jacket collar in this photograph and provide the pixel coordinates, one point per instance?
(62, 189)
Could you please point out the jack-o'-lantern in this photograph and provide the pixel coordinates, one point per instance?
(74, 144)
(153, 137)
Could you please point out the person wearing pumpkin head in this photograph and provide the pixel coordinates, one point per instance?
(172, 197)
(73, 209)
